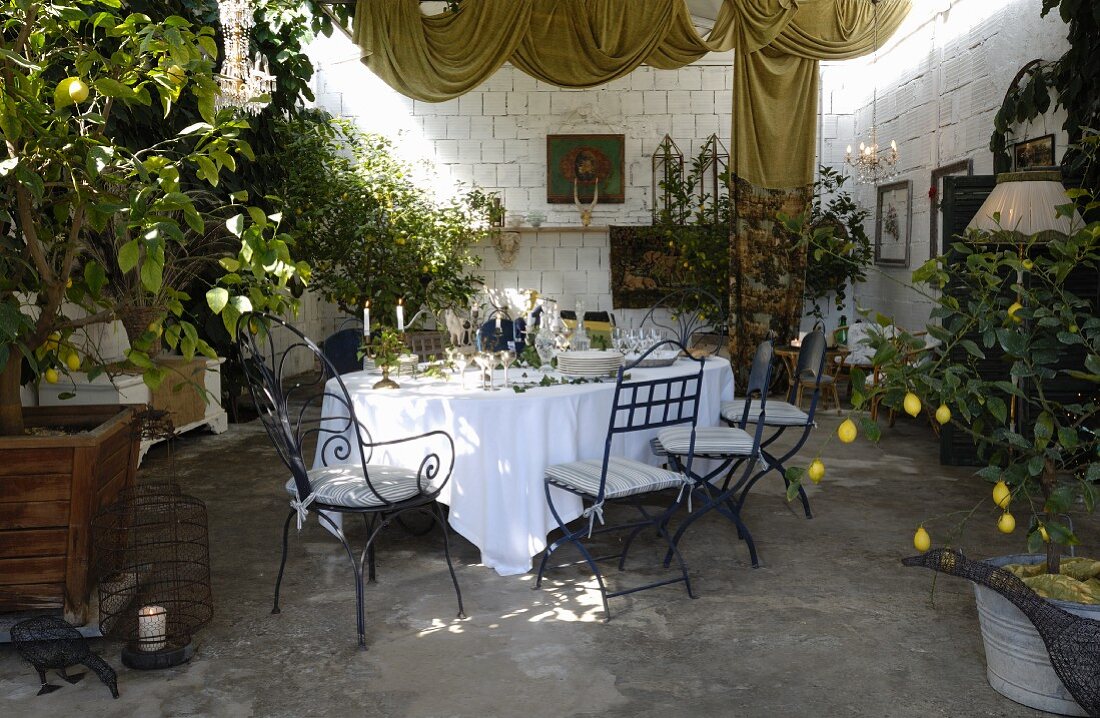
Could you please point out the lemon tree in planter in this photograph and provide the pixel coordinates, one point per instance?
(67, 67)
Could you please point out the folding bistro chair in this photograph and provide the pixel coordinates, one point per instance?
(783, 415)
(346, 482)
(638, 405)
(686, 313)
(730, 447)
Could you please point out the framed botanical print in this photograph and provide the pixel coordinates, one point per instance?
(585, 167)
(893, 224)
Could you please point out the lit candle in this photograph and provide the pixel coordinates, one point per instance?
(152, 628)
(400, 315)
(366, 318)
(848, 151)
(498, 321)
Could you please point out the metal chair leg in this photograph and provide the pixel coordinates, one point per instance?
(360, 623)
(282, 563)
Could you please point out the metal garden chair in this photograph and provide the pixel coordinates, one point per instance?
(784, 415)
(291, 407)
(638, 405)
(729, 447)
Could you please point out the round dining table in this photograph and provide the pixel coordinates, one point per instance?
(505, 439)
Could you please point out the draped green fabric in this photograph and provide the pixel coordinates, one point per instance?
(585, 43)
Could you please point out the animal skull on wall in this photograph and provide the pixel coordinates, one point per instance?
(586, 212)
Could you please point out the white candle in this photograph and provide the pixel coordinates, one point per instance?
(366, 318)
(498, 321)
(152, 628)
(400, 315)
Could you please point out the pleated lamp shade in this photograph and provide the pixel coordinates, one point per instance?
(1027, 204)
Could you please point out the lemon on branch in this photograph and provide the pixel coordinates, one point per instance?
(921, 540)
(911, 404)
(1013, 309)
(943, 414)
(1007, 523)
(847, 431)
(816, 472)
(1002, 495)
(50, 375)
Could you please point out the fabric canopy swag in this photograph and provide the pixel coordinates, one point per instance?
(585, 43)
(776, 45)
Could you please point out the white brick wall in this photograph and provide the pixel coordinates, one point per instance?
(940, 82)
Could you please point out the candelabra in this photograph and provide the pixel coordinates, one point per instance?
(242, 80)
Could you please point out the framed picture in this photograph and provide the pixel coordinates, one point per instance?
(935, 196)
(1033, 154)
(893, 224)
(585, 167)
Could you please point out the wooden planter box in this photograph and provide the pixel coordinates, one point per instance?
(50, 489)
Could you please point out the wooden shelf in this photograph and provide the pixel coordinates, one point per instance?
(566, 228)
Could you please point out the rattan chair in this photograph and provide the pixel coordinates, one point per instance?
(344, 479)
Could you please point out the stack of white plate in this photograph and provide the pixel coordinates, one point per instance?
(589, 363)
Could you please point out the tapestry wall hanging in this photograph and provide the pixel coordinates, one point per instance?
(586, 165)
(648, 263)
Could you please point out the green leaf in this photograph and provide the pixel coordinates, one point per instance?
(235, 225)
(95, 277)
(113, 88)
(152, 273)
(99, 158)
(1060, 500)
(128, 255)
(217, 298)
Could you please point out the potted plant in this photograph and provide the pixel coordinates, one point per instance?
(66, 68)
(1015, 366)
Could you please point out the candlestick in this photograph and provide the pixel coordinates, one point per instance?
(366, 318)
(498, 321)
(152, 628)
(400, 315)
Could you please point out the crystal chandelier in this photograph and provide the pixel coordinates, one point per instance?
(241, 79)
(871, 164)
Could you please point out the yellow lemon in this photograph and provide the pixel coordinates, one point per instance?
(1028, 264)
(73, 362)
(69, 283)
(78, 90)
(1006, 524)
(1012, 309)
(943, 414)
(911, 404)
(1043, 533)
(155, 328)
(921, 540)
(52, 340)
(1002, 495)
(50, 376)
(847, 431)
(816, 472)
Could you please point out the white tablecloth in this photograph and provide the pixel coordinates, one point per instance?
(503, 443)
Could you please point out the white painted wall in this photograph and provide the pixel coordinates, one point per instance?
(940, 81)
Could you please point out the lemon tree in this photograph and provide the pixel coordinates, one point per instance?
(69, 70)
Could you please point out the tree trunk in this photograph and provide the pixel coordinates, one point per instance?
(11, 408)
(1049, 481)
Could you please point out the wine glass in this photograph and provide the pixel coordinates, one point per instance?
(461, 360)
(506, 356)
(486, 361)
(545, 347)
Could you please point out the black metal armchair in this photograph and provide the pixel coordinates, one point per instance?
(344, 481)
(687, 314)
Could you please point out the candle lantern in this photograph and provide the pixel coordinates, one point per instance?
(153, 557)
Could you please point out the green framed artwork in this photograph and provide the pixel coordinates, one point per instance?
(584, 167)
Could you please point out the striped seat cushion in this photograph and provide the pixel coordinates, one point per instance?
(344, 485)
(710, 440)
(776, 413)
(624, 477)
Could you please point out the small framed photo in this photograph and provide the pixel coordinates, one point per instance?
(1033, 154)
(893, 224)
(584, 168)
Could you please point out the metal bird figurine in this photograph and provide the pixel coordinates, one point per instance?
(48, 642)
(1073, 642)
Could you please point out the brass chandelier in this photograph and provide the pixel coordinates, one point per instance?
(872, 164)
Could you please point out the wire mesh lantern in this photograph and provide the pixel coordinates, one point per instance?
(153, 559)
(712, 165)
(668, 171)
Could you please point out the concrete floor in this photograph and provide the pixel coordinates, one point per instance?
(830, 625)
